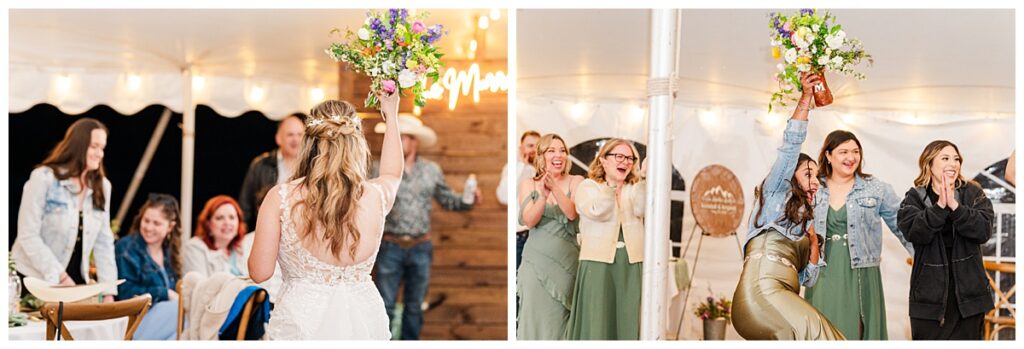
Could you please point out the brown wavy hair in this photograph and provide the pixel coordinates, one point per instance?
(202, 231)
(167, 205)
(542, 146)
(333, 164)
(924, 162)
(832, 141)
(67, 159)
(596, 171)
(798, 208)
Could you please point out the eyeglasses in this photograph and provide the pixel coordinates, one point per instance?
(621, 157)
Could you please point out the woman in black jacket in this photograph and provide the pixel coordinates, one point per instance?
(947, 219)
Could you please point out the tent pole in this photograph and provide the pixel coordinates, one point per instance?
(140, 171)
(188, 142)
(660, 93)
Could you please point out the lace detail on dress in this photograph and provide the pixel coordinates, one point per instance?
(297, 263)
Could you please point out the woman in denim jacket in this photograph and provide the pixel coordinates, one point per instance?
(850, 209)
(149, 260)
(65, 213)
(781, 248)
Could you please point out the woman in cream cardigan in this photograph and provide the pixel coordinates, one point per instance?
(606, 302)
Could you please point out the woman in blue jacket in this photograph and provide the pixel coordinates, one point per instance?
(850, 209)
(781, 248)
(149, 260)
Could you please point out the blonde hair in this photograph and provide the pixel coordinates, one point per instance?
(540, 163)
(924, 162)
(597, 170)
(332, 164)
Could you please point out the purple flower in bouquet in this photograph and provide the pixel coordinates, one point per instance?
(806, 11)
(433, 34)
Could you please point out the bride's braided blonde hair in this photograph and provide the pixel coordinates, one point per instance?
(332, 164)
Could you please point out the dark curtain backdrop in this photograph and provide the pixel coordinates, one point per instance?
(224, 147)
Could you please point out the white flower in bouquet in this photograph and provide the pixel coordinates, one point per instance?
(828, 51)
(803, 67)
(815, 27)
(800, 38)
(791, 55)
(823, 60)
(389, 67)
(836, 40)
(373, 71)
(776, 42)
(837, 61)
(407, 78)
(781, 66)
(363, 34)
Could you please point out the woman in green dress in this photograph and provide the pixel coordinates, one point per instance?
(850, 209)
(781, 247)
(548, 270)
(611, 208)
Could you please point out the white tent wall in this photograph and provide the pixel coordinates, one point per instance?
(745, 141)
(75, 93)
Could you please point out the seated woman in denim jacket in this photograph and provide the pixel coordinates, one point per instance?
(850, 209)
(149, 261)
(781, 248)
(64, 216)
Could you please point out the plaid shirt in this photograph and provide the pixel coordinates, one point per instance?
(411, 212)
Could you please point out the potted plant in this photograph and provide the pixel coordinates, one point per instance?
(716, 313)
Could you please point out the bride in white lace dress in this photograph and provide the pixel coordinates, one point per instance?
(324, 227)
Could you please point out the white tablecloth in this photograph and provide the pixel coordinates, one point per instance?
(80, 330)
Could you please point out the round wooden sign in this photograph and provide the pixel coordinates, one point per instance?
(717, 201)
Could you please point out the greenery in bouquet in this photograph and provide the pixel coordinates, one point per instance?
(712, 308)
(397, 50)
(809, 42)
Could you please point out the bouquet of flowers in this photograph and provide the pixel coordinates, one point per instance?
(395, 49)
(715, 308)
(809, 42)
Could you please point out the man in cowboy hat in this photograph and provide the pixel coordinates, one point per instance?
(406, 250)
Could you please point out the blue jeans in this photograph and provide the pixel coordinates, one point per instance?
(395, 264)
(520, 242)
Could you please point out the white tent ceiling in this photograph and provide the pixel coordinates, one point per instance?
(925, 60)
(281, 51)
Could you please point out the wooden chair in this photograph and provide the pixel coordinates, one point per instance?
(993, 321)
(135, 309)
(258, 298)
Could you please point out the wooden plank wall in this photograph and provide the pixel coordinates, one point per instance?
(470, 248)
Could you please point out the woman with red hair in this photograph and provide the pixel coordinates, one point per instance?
(216, 245)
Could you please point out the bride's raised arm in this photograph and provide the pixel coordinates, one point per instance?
(392, 158)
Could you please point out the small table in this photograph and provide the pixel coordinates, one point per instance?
(112, 329)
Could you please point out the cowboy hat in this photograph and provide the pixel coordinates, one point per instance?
(410, 125)
(57, 293)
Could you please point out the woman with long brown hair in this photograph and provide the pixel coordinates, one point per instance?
(781, 248)
(324, 226)
(149, 260)
(947, 218)
(217, 243)
(548, 271)
(851, 206)
(64, 215)
(606, 297)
